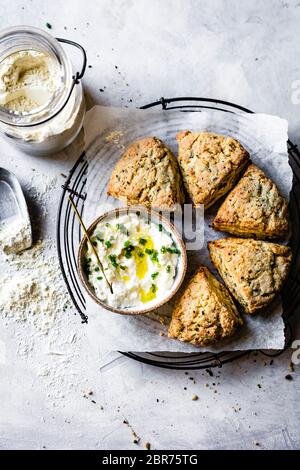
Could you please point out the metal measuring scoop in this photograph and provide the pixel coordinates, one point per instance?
(15, 225)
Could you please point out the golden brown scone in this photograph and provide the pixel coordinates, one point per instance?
(147, 174)
(210, 164)
(253, 270)
(205, 313)
(254, 208)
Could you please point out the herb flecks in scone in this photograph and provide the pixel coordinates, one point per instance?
(205, 313)
(147, 174)
(254, 208)
(253, 270)
(210, 164)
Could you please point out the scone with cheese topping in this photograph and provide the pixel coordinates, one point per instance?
(254, 208)
(205, 312)
(253, 270)
(210, 164)
(147, 174)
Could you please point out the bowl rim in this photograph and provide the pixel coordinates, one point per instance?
(175, 287)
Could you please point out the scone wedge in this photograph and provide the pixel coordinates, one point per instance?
(253, 270)
(254, 208)
(147, 174)
(205, 312)
(210, 164)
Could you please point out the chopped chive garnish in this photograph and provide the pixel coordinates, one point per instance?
(160, 227)
(154, 275)
(128, 249)
(153, 288)
(122, 267)
(163, 249)
(122, 229)
(142, 241)
(107, 224)
(95, 243)
(97, 269)
(153, 254)
(168, 268)
(141, 254)
(113, 260)
(174, 251)
(99, 278)
(107, 244)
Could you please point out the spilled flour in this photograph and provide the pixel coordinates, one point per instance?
(32, 290)
(41, 187)
(38, 326)
(16, 236)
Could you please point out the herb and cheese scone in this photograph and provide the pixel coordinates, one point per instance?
(253, 270)
(254, 208)
(210, 164)
(147, 174)
(205, 312)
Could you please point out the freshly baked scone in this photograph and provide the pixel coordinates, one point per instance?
(253, 270)
(147, 174)
(205, 313)
(254, 208)
(210, 164)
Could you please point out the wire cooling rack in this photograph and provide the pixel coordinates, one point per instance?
(69, 236)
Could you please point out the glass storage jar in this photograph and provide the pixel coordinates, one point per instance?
(52, 126)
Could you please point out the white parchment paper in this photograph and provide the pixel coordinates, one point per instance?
(108, 131)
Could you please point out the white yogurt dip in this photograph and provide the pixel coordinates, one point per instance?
(140, 259)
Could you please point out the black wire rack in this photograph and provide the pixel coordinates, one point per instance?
(69, 236)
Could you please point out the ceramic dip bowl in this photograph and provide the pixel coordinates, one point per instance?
(143, 256)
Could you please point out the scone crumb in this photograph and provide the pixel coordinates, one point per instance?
(161, 333)
(135, 437)
(115, 138)
(147, 445)
(195, 397)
